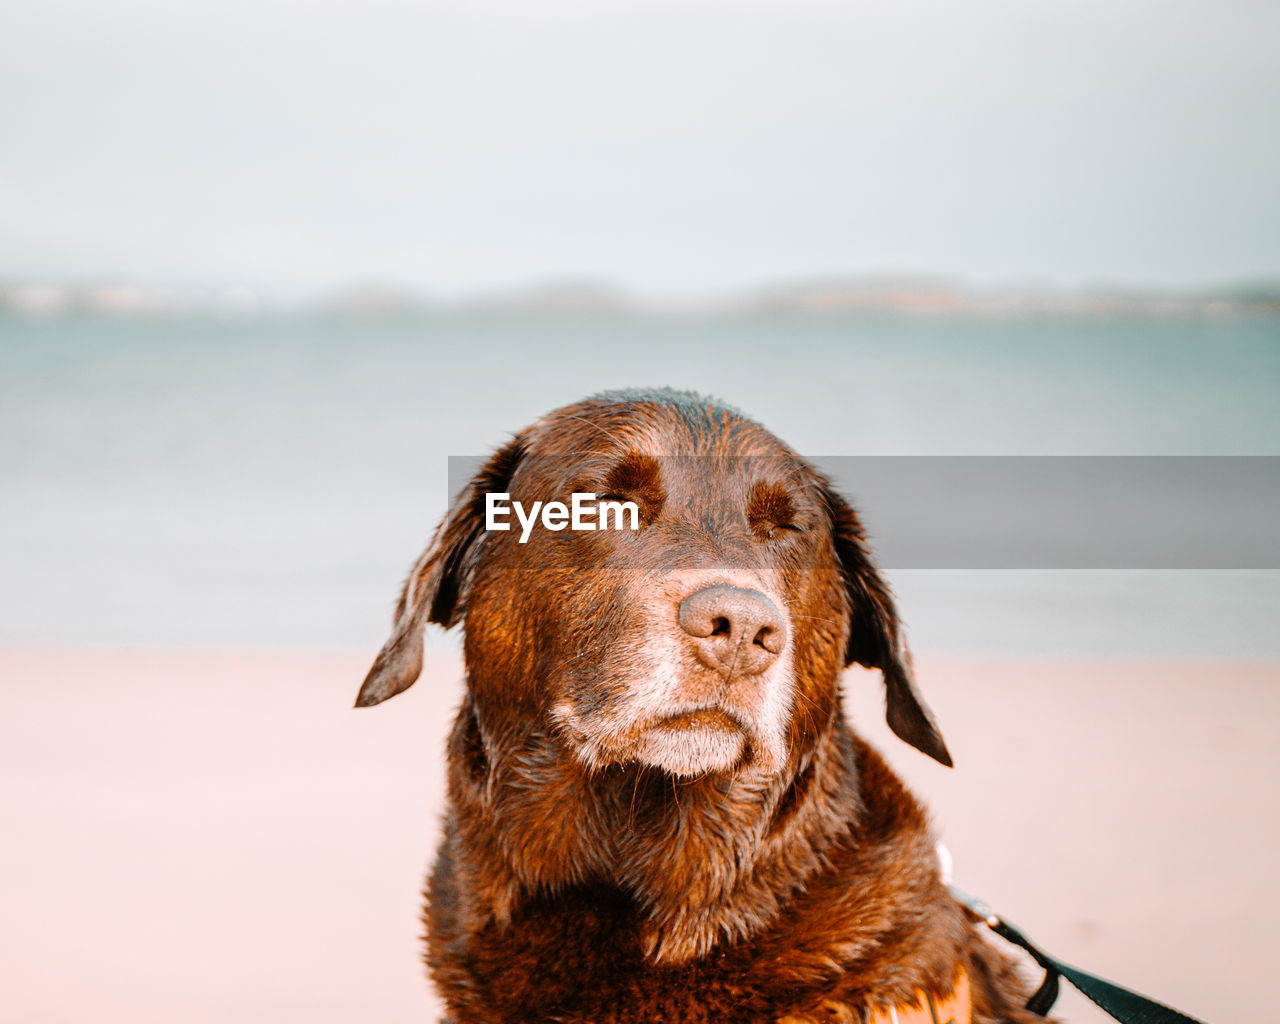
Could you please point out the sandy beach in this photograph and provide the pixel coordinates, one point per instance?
(201, 837)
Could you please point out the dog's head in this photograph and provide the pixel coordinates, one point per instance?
(708, 637)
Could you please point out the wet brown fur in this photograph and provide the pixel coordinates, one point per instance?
(616, 892)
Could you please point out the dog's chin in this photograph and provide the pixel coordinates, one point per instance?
(687, 744)
(690, 749)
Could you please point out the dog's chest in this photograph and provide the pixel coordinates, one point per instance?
(577, 958)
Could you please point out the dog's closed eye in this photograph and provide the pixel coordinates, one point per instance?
(636, 477)
(770, 510)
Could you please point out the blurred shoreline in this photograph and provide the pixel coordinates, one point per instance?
(816, 296)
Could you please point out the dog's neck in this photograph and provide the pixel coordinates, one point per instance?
(705, 861)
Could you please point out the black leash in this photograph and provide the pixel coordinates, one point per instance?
(1125, 1006)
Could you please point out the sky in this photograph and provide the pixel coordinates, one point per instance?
(669, 148)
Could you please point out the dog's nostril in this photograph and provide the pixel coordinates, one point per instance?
(720, 626)
(759, 640)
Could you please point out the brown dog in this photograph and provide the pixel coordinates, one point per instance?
(657, 811)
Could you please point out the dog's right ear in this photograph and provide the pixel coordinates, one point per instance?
(436, 589)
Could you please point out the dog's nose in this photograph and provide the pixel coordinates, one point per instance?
(736, 631)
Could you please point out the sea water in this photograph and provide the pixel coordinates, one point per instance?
(267, 482)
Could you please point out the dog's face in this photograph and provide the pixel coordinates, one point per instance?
(708, 638)
(672, 644)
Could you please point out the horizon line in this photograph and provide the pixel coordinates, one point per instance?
(831, 292)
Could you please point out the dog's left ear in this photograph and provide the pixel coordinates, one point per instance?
(875, 635)
(436, 590)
